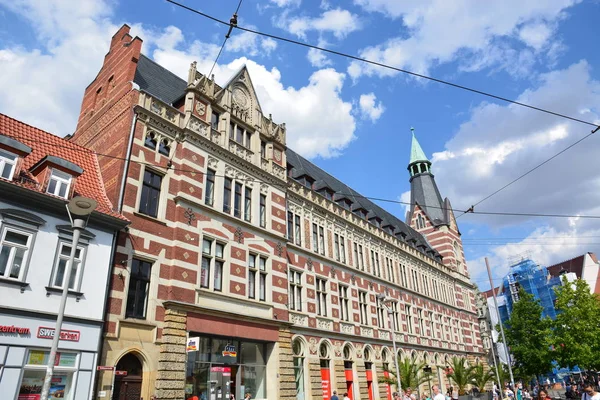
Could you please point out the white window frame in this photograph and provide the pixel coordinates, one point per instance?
(321, 296)
(363, 307)
(78, 273)
(295, 290)
(25, 262)
(5, 160)
(260, 280)
(213, 259)
(60, 181)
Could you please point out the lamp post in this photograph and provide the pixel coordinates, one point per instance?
(427, 370)
(384, 301)
(79, 210)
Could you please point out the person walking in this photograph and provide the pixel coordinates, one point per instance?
(334, 396)
(346, 396)
(589, 393)
(543, 395)
(437, 393)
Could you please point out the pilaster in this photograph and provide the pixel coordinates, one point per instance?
(314, 375)
(361, 374)
(170, 378)
(381, 385)
(340, 376)
(287, 385)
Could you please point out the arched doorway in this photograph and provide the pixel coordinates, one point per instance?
(348, 353)
(129, 387)
(325, 358)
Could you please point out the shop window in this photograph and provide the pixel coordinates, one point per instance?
(209, 194)
(60, 266)
(257, 277)
(295, 292)
(14, 252)
(150, 193)
(59, 184)
(139, 284)
(213, 254)
(32, 381)
(298, 352)
(8, 162)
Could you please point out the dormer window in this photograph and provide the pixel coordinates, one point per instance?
(59, 183)
(8, 162)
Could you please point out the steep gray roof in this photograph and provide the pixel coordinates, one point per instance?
(301, 166)
(424, 191)
(158, 81)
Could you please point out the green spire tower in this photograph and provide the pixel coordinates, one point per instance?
(418, 164)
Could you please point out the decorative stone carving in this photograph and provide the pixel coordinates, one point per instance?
(347, 328)
(200, 108)
(299, 319)
(189, 214)
(365, 331)
(213, 163)
(264, 189)
(309, 264)
(239, 235)
(279, 249)
(324, 324)
(312, 345)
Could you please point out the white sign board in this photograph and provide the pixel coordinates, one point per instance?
(102, 393)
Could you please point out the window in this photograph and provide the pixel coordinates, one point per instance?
(336, 246)
(420, 222)
(248, 139)
(248, 204)
(421, 325)
(380, 314)
(321, 297)
(8, 161)
(315, 240)
(239, 135)
(294, 228)
(395, 319)
(237, 200)
(209, 194)
(342, 250)
(60, 266)
(263, 149)
(214, 121)
(295, 279)
(375, 263)
(257, 271)
(59, 184)
(430, 314)
(13, 255)
(263, 210)
(362, 307)
(343, 297)
(150, 193)
(322, 239)
(227, 195)
(389, 263)
(139, 284)
(231, 130)
(212, 259)
(404, 276)
(356, 262)
(164, 147)
(409, 321)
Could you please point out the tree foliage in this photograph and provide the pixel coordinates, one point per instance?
(576, 336)
(528, 337)
(411, 374)
(460, 374)
(480, 377)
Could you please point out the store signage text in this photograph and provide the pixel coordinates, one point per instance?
(14, 329)
(48, 333)
(229, 351)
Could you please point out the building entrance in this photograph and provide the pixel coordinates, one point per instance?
(129, 387)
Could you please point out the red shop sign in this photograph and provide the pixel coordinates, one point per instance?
(48, 333)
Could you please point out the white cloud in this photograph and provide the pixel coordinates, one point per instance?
(250, 44)
(286, 3)
(440, 31)
(369, 108)
(317, 58)
(339, 22)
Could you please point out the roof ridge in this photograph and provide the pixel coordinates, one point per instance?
(160, 66)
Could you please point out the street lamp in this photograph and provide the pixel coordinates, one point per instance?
(79, 210)
(427, 370)
(384, 302)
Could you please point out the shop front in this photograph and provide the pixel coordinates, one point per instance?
(219, 365)
(24, 351)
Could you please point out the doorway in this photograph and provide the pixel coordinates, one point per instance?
(129, 387)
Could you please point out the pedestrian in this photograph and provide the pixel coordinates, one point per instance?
(346, 396)
(248, 396)
(334, 396)
(543, 395)
(407, 394)
(437, 393)
(454, 393)
(589, 393)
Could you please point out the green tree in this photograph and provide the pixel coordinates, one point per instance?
(411, 374)
(576, 334)
(528, 337)
(480, 377)
(503, 374)
(461, 374)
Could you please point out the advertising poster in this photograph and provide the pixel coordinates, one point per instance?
(192, 344)
(31, 387)
(58, 387)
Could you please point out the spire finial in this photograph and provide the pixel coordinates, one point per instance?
(412, 130)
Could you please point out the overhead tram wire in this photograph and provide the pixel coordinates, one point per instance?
(232, 24)
(472, 208)
(78, 148)
(382, 65)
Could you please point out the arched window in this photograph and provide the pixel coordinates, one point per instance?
(150, 141)
(298, 350)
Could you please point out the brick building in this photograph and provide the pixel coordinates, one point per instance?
(268, 268)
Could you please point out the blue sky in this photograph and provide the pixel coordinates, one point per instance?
(353, 120)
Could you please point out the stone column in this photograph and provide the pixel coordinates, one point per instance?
(314, 377)
(361, 374)
(287, 384)
(340, 376)
(170, 378)
(381, 385)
